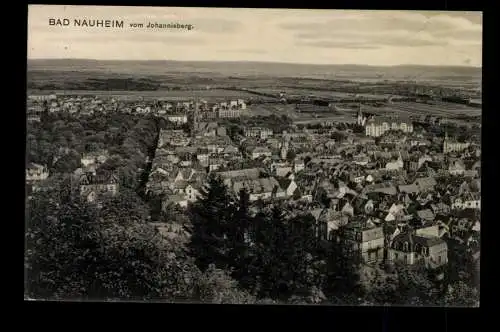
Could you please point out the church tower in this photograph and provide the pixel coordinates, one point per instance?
(284, 149)
(361, 118)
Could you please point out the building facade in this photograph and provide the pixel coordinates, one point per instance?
(379, 126)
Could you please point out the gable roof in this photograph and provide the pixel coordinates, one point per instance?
(284, 183)
(249, 173)
(90, 179)
(257, 186)
(413, 240)
(316, 213)
(409, 188)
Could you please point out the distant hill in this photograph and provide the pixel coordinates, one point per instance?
(265, 69)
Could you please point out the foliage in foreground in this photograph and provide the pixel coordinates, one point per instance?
(75, 250)
(71, 254)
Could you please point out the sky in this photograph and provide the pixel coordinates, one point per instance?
(376, 38)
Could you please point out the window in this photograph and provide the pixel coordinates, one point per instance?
(395, 255)
(405, 246)
(439, 259)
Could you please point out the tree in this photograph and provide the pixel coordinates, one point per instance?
(383, 288)
(72, 255)
(414, 285)
(290, 155)
(269, 268)
(210, 217)
(239, 236)
(68, 163)
(338, 136)
(234, 131)
(343, 268)
(462, 295)
(306, 269)
(125, 208)
(216, 286)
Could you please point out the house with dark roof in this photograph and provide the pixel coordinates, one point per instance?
(288, 185)
(410, 249)
(261, 188)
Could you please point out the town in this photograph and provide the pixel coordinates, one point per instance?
(389, 191)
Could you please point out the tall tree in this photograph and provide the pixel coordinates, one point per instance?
(210, 217)
(239, 236)
(271, 255)
(344, 269)
(305, 266)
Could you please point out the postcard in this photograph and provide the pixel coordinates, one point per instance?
(253, 156)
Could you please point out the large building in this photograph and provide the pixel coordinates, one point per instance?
(377, 127)
(364, 239)
(454, 146)
(230, 113)
(262, 133)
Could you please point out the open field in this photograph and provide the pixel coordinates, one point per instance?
(311, 113)
(308, 114)
(252, 69)
(443, 109)
(327, 94)
(262, 82)
(209, 95)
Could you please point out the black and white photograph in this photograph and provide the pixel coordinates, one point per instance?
(253, 156)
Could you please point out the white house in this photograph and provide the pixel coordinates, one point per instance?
(36, 172)
(261, 151)
(395, 165)
(178, 119)
(192, 193)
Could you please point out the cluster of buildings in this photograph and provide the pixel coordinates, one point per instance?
(385, 204)
(177, 112)
(86, 183)
(382, 199)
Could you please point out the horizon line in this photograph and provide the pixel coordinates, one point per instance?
(252, 61)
